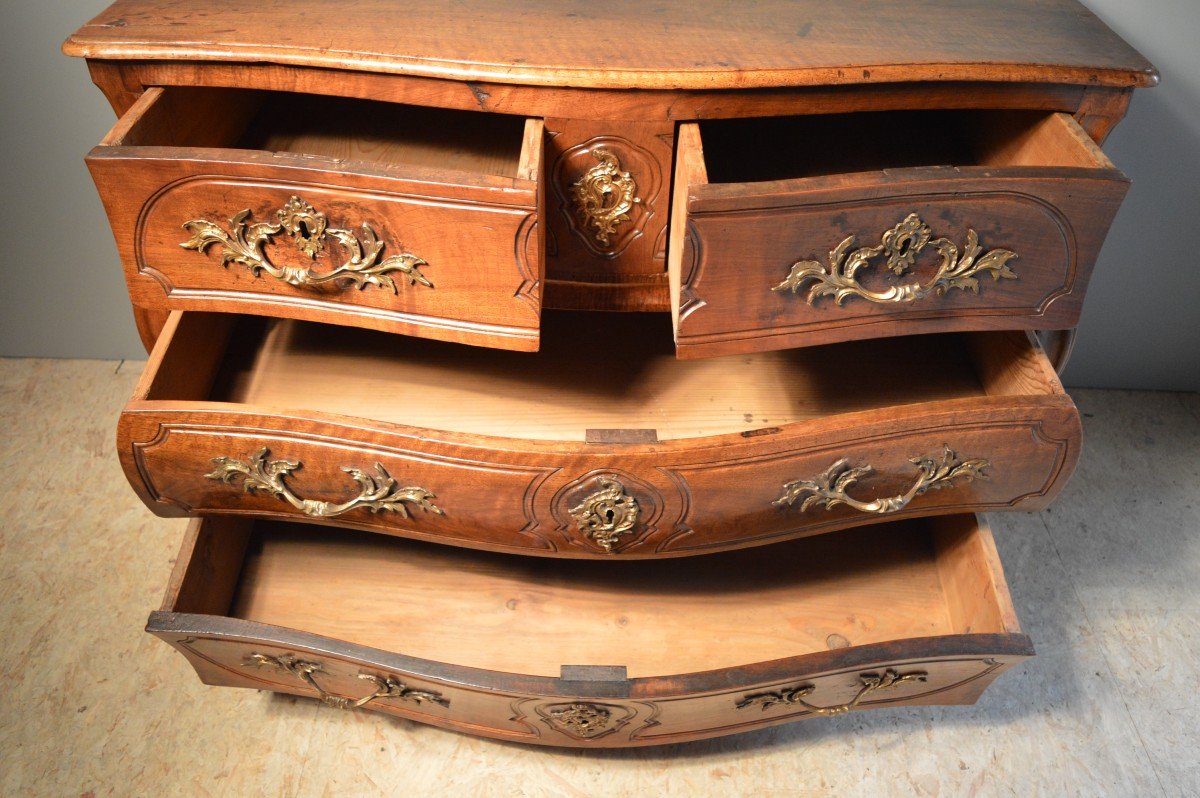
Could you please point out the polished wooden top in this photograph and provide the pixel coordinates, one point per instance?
(635, 44)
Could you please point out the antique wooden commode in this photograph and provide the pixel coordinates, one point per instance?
(367, 243)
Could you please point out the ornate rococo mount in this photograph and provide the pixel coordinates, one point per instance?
(386, 687)
(604, 196)
(829, 488)
(378, 492)
(794, 696)
(607, 514)
(309, 230)
(900, 247)
(585, 720)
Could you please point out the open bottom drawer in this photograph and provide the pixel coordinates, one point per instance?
(575, 654)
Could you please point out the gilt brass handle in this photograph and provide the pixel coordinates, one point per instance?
(306, 670)
(829, 488)
(378, 492)
(901, 245)
(869, 683)
(309, 229)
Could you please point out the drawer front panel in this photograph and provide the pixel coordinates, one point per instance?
(601, 714)
(571, 500)
(1001, 465)
(337, 680)
(251, 469)
(808, 262)
(452, 262)
(874, 686)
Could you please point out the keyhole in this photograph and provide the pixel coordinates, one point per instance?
(608, 197)
(609, 515)
(904, 247)
(304, 229)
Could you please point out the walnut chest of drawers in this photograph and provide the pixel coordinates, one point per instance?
(470, 329)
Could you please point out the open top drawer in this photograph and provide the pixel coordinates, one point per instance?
(576, 654)
(396, 218)
(809, 230)
(589, 448)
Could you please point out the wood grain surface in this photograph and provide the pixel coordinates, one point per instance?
(630, 44)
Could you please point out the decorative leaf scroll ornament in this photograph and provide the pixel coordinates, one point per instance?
(829, 488)
(309, 229)
(869, 683)
(378, 493)
(305, 670)
(604, 196)
(901, 245)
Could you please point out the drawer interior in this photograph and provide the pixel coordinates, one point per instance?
(923, 578)
(585, 377)
(782, 148)
(360, 131)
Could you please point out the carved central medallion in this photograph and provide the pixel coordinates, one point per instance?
(604, 196)
(585, 720)
(607, 514)
(607, 190)
(581, 720)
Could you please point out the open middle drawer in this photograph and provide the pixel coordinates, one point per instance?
(590, 448)
(810, 230)
(596, 654)
(409, 220)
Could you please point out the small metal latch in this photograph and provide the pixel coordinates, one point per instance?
(594, 673)
(627, 436)
(595, 681)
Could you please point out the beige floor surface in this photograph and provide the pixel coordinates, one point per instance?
(1105, 582)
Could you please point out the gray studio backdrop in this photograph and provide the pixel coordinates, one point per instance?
(63, 295)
